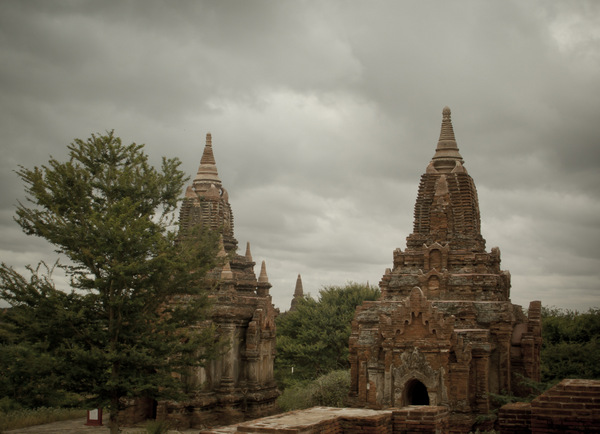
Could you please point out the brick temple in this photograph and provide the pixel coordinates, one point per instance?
(239, 385)
(444, 332)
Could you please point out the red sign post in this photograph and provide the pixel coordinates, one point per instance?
(94, 417)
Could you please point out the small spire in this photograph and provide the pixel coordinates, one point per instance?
(459, 168)
(298, 294)
(447, 132)
(212, 191)
(226, 273)
(248, 254)
(207, 156)
(189, 192)
(263, 278)
(299, 291)
(207, 172)
(446, 153)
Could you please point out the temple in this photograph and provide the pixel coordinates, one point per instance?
(239, 385)
(298, 294)
(444, 332)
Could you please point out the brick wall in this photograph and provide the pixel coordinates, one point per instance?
(571, 405)
(325, 420)
(421, 419)
(515, 418)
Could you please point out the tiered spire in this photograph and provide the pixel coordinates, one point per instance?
(248, 253)
(207, 172)
(446, 154)
(263, 278)
(298, 293)
(447, 208)
(207, 202)
(263, 286)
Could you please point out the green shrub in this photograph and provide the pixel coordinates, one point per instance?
(570, 344)
(295, 397)
(329, 390)
(7, 405)
(157, 426)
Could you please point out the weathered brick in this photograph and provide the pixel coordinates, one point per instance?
(444, 329)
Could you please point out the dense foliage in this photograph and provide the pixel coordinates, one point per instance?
(123, 330)
(313, 339)
(571, 344)
(329, 390)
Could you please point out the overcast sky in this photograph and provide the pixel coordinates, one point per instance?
(324, 115)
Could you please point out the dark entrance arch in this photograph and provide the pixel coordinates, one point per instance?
(416, 393)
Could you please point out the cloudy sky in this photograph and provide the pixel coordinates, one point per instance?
(324, 115)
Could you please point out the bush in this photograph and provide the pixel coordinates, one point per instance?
(329, 390)
(7, 405)
(295, 397)
(157, 426)
(570, 344)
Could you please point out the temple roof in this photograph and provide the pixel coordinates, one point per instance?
(447, 208)
(207, 202)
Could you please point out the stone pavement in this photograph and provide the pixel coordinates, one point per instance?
(76, 426)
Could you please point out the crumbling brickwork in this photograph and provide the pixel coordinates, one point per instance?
(515, 418)
(573, 406)
(444, 331)
(570, 406)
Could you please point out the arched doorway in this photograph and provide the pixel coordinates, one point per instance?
(416, 393)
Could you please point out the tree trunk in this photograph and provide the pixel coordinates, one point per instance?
(114, 415)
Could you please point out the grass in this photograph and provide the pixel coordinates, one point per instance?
(22, 418)
(157, 426)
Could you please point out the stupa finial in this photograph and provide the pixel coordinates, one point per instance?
(207, 172)
(263, 278)
(248, 253)
(446, 154)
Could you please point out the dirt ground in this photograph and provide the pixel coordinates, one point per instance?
(76, 426)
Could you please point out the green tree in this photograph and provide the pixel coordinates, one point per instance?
(571, 344)
(31, 335)
(313, 338)
(139, 284)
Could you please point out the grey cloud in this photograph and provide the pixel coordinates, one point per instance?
(324, 115)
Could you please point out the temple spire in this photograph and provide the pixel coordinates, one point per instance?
(299, 291)
(447, 208)
(207, 172)
(263, 278)
(248, 253)
(446, 154)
